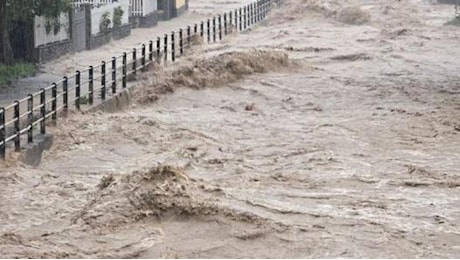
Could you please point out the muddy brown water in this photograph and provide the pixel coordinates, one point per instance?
(352, 152)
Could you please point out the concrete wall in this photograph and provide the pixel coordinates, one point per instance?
(144, 21)
(41, 37)
(169, 9)
(103, 38)
(165, 13)
(150, 6)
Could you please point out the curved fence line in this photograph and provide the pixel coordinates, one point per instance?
(24, 119)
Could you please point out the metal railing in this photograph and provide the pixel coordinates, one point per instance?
(26, 118)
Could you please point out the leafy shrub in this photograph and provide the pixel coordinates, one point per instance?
(456, 20)
(457, 11)
(17, 70)
(105, 22)
(117, 17)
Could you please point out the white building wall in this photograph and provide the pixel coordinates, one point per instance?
(41, 37)
(98, 12)
(78, 3)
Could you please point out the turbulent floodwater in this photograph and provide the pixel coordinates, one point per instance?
(330, 130)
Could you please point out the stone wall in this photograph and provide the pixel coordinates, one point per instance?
(52, 51)
(122, 32)
(103, 38)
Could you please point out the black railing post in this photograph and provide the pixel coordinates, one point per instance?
(173, 46)
(265, 8)
(134, 68)
(244, 18)
(43, 110)
(103, 90)
(236, 20)
(209, 30)
(259, 11)
(241, 19)
(166, 47)
(123, 70)
(225, 24)
(114, 75)
(65, 94)
(150, 50)
(195, 29)
(2, 134)
(77, 89)
(250, 14)
(181, 42)
(91, 85)
(220, 26)
(201, 29)
(214, 29)
(30, 118)
(158, 49)
(188, 36)
(54, 102)
(17, 128)
(143, 56)
(248, 7)
(254, 13)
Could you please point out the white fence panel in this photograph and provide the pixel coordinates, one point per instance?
(77, 3)
(142, 7)
(41, 37)
(98, 12)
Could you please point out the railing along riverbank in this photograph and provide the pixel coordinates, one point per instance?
(25, 119)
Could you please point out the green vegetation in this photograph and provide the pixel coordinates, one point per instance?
(105, 22)
(15, 71)
(84, 100)
(117, 17)
(16, 25)
(456, 20)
